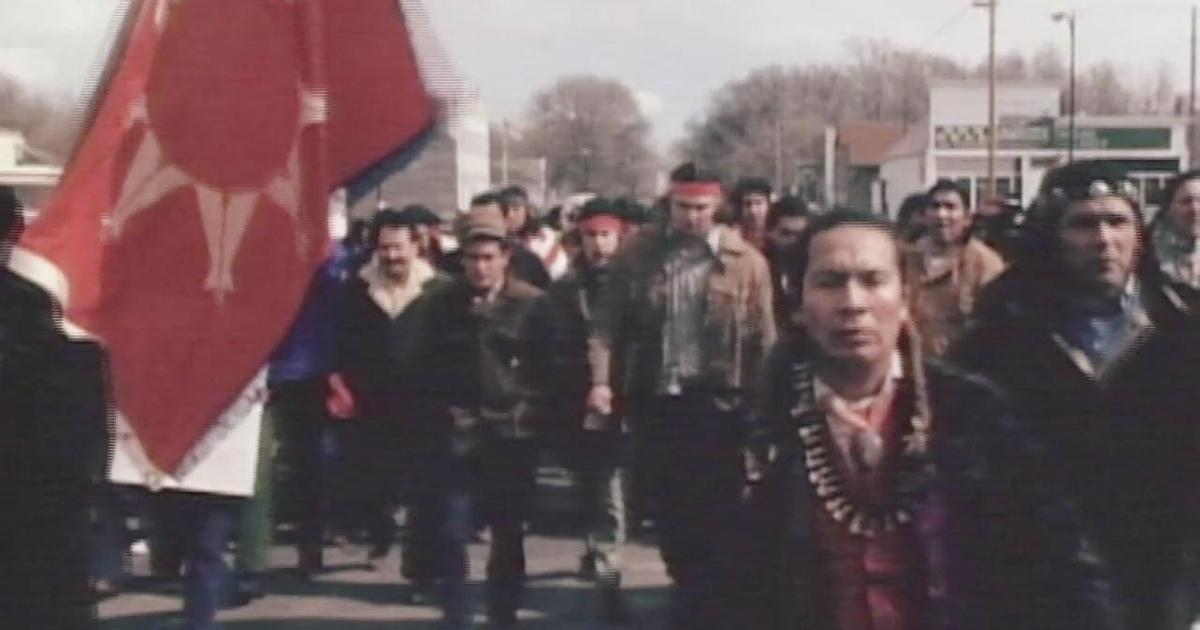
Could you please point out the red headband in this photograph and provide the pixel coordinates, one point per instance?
(602, 222)
(697, 189)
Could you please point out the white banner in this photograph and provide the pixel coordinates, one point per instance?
(224, 462)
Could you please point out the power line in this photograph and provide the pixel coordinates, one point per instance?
(954, 19)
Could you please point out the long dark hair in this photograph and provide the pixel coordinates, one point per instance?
(1167, 198)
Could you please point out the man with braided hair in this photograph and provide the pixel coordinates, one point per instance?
(911, 498)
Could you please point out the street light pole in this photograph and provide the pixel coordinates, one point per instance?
(990, 5)
(504, 153)
(1070, 19)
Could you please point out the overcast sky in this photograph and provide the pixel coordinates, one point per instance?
(674, 53)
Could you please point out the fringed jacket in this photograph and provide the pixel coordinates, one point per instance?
(1002, 547)
(1123, 438)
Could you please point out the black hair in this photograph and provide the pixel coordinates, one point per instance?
(512, 193)
(420, 214)
(392, 218)
(944, 185)
(1171, 189)
(597, 206)
(554, 218)
(789, 206)
(751, 186)
(486, 199)
(906, 216)
(690, 172)
(841, 217)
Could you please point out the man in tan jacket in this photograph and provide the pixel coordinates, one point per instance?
(946, 267)
(681, 332)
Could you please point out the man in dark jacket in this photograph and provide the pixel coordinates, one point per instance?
(594, 444)
(378, 323)
(912, 498)
(472, 355)
(1097, 349)
(52, 450)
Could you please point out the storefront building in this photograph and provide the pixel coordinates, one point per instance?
(1033, 137)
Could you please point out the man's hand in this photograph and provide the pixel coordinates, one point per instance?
(339, 400)
(600, 400)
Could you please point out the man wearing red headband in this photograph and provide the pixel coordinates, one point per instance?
(593, 443)
(687, 315)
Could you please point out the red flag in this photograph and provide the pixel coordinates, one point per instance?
(189, 222)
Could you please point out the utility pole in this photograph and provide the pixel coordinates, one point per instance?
(1070, 19)
(990, 5)
(778, 153)
(504, 153)
(1192, 82)
(1192, 94)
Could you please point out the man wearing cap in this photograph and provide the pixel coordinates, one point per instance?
(948, 267)
(1097, 349)
(471, 362)
(523, 264)
(594, 443)
(682, 329)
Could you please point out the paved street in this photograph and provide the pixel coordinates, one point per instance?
(352, 596)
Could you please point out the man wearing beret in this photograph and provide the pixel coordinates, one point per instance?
(682, 329)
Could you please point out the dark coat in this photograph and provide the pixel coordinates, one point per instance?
(476, 358)
(53, 439)
(374, 349)
(1012, 554)
(1126, 443)
(560, 361)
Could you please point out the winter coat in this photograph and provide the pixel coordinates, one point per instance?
(374, 349)
(53, 444)
(475, 357)
(738, 327)
(1125, 442)
(1002, 547)
(940, 304)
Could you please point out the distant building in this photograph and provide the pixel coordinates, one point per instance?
(1033, 136)
(452, 166)
(31, 173)
(857, 149)
(450, 169)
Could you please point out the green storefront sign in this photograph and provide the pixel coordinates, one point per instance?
(1045, 134)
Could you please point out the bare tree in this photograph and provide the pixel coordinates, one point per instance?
(769, 121)
(1100, 91)
(46, 123)
(592, 134)
(1047, 64)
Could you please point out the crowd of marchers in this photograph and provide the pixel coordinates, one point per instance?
(835, 422)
